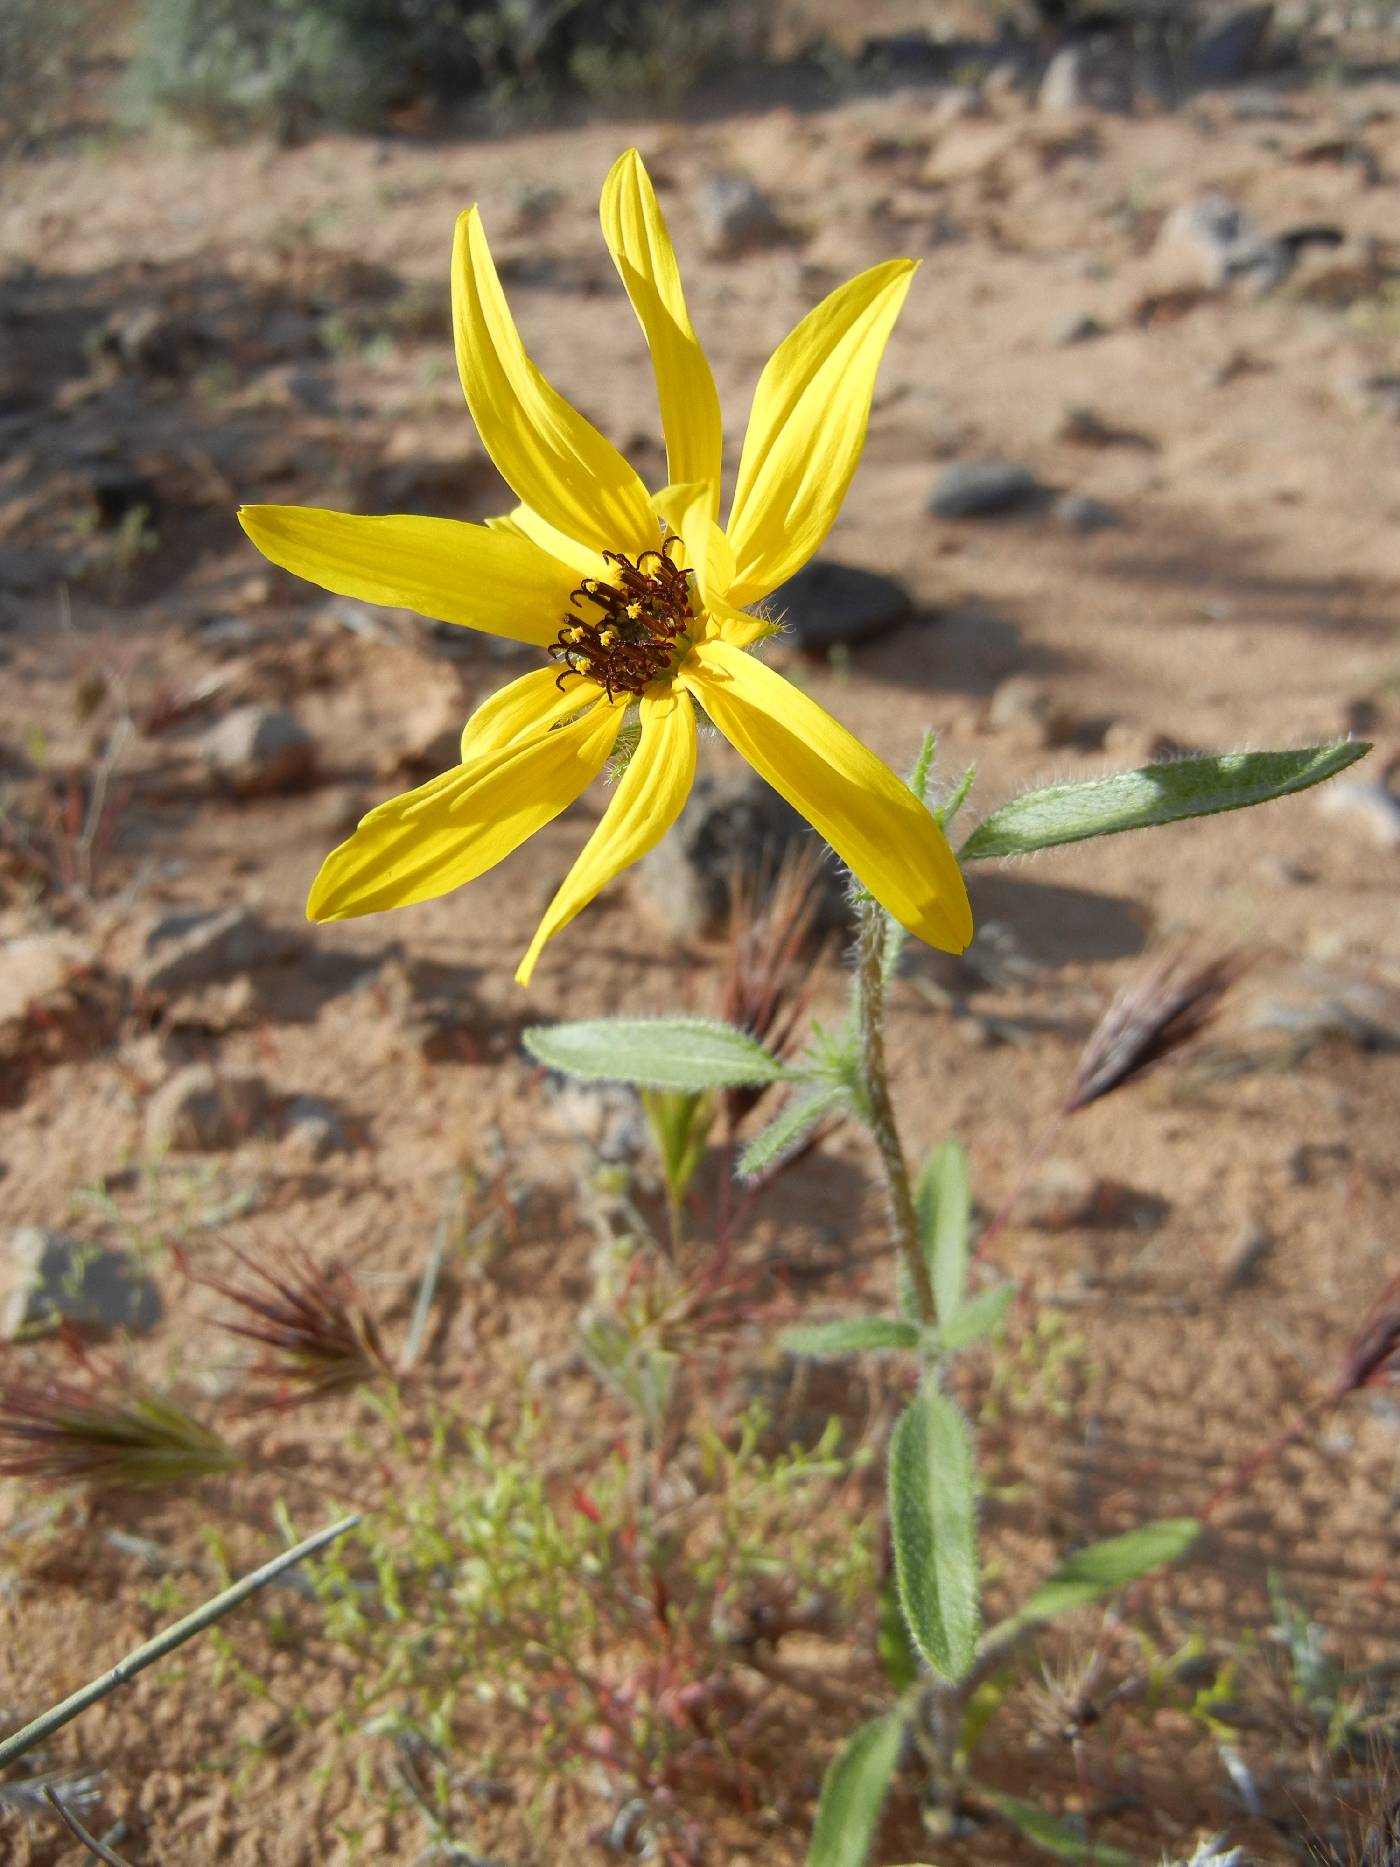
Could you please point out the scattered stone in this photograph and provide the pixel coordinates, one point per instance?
(313, 1128)
(194, 947)
(121, 496)
(970, 151)
(979, 489)
(826, 604)
(1026, 709)
(152, 342)
(198, 1108)
(1244, 1256)
(36, 972)
(1231, 50)
(1374, 395)
(1081, 426)
(730, 821)
(1141, 745)
(1370, 805)
(1082, 329)
(1211, 241)
(737, 217)
(432, 733)
(606, 1117)
(51, 1277)
(1307, 1162)
(260, 751)
(1318, 1004)
(1063, 91)
(1062, 1194)
(1077, 512)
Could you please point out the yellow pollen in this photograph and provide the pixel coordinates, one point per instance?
(583, 665)
(607, 637)
(634, 610)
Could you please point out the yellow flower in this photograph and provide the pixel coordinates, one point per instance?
(637, 599)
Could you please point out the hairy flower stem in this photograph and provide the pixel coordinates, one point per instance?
(879, 1108)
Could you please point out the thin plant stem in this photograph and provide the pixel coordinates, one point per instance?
(173, 1636)
(70, 1821)
(879, 1107)
(448, 1220)
(1028, 1166)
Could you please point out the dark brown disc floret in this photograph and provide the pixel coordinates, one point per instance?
(627, 635)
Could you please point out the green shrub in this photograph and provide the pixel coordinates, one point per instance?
(292, 66)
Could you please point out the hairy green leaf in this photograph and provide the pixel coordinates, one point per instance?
(655, 1053)
(853, 1335)
(977, 1318)
(853, 1793)
(1099, 1570)
(943, 1206)
(933, 1523)
(1166, 793)
(788, 1129)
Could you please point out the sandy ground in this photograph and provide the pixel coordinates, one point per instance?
(1246, 597)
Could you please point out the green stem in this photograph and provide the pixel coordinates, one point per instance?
(163, 1643)
(879, 1108)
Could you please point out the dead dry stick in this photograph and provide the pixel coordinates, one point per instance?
(175, 1636)
(90, 1842)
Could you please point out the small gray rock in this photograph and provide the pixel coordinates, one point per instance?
(313, 1126)
(1244, 1256)
(737, 217)
(50, 1276)
(1079, 513)
(192, 947)
(1062, 1194)
(606, 1117)
(979, 489)
(200, 1109)
(1025, 708)
(1230, 50)
(730, 821)
(1372, 807)
(1082, 329)
(260, 751)
(828, 603)
(1212, 241)
(1063, 90)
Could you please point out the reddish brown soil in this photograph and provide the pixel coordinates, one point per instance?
(1248, 598)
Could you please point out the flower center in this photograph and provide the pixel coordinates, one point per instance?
(645, 612)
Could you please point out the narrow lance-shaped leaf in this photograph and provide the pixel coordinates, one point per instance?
(943, 1206)
(853, 1794)
(853, 1335)
(789, 1128)
(933, 1523)
(655, 1053)
(1102, 1568)
(1057, 1837)
(977, 1318)
(1157, 794)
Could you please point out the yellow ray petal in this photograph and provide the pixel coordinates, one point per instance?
(646, 803)
(487, 579)
(635, 230)
(457, 826)
(875, 824)
(807, 428)
(579, 560)
(554, 460)
(736, 625)
(523, 707)
(685, 510)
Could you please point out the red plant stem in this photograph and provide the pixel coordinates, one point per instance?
(1003, 1212)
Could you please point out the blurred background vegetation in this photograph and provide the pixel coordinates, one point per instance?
(290, 68)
